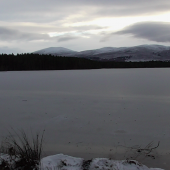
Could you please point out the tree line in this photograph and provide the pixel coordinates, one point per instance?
(29, 61)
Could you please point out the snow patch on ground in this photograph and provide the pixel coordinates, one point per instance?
(10, 160)
(61, 161)
(65, 162)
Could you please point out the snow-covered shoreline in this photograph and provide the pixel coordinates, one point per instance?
(65, 162)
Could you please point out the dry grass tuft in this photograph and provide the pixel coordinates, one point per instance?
(23, 153)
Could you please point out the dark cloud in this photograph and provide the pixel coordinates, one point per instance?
(86, 27)
(7, 34)
(66, 38)
(154, 31)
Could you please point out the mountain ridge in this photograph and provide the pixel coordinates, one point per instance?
(135, 53)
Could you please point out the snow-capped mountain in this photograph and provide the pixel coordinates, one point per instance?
(56, 51)
(136, 53)
(97, 51)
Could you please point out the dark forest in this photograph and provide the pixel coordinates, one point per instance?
(28, 61)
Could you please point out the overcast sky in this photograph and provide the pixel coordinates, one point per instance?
(30, 25)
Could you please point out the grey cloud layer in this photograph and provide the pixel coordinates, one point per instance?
(154, 31)
(51, 10)
(45, 28)
(52, 15)
(29, 22)
(7, 34)
(66, 38)
(12, 35)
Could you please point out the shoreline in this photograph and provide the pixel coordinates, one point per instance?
(65, 162)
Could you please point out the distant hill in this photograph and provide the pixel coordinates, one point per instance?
(136, 53)
(60, 51)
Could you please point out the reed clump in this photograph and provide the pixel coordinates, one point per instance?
(21, 151)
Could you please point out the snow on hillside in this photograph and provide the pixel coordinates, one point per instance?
(55, 51)
(103, 50)
(97, 51)
(155, 47)
(91, 53)
(137, 53)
